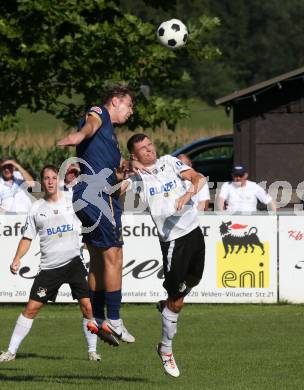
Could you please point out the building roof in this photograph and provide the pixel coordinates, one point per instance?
(257, 87)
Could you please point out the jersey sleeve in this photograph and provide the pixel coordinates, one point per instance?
(30, 228)
(262, 195)
(95, 111)
(177, 165)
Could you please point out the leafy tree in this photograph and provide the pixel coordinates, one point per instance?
(60, 56)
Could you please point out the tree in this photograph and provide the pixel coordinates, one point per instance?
(60, 56)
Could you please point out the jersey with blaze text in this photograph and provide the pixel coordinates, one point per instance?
(58, 229)
(159, 191)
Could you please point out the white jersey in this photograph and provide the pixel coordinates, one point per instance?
(243, 198)
(159, 192)
(202, 195)
(58, 229)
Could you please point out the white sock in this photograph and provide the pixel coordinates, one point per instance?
(90, 337)
(115, 322)
(169, 329)
(22, 328)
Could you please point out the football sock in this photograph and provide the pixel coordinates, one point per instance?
(90, 337)
(169, 329)
(98, 305)
(113, 301)
(22, 328)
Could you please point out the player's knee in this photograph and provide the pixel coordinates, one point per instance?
(178, 305)
(30, 312)
(175, 305)
(113, 262)
(85, 307)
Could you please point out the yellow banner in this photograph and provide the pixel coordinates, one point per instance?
(242, 270)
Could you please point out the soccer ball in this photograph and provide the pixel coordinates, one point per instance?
(172, 33)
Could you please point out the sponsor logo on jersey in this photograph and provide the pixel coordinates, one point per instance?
(59, 230)
(167, 187)
(179, 163)
(96, 109)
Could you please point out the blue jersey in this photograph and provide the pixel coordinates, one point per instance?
(98, 208)
(102, 150)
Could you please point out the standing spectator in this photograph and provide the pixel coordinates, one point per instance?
(201, 199)
(241, 195)
(54, 220)
(14, 198)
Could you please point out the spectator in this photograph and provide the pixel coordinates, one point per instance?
(201, 199)
(14, 198)
(241, 194)
(70, 178)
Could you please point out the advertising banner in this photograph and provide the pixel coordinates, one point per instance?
(16, 288)
(241, 259)
(291, 259)
(240, 263)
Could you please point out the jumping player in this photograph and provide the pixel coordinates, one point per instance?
(100, 214)
(168, 198)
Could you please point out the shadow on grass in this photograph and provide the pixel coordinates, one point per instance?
(69, 379)
(35, 356)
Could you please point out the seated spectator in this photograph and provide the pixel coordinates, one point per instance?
(13, 195)
(201, 199)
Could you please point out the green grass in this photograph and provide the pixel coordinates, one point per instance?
(206, 117)
(218, 347)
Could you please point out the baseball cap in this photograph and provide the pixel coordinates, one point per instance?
(238, 170)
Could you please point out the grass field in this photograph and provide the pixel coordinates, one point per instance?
(218, 347)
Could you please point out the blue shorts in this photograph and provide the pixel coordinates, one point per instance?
(107, 231)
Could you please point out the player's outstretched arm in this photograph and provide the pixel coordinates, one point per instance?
(23, 247)
(90, 127)
(197, 180)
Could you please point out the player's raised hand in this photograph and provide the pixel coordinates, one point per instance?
(14, 267)
(136, 167)
(180, 202)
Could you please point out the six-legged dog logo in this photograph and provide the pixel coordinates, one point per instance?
(231, 240)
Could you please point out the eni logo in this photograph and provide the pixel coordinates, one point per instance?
(243, 259)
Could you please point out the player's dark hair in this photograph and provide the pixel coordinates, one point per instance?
(118, 91)
(134, 139)
(48, 166)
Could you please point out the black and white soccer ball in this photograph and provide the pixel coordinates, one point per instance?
(172, 33)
